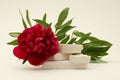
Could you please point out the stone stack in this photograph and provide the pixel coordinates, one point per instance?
(68, 57)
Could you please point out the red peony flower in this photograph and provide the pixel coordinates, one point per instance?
(36, 45)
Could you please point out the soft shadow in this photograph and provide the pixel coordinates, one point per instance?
(34, 68)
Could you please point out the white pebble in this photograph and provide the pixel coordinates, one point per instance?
(70, 48)
(78, 59)
(62, 65)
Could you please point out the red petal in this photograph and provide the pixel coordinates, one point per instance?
(36, 60)
(19, 53)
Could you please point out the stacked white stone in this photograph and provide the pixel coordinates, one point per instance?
(65, 59)
(70, 49)
(62, 65)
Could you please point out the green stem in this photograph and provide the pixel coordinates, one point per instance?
(98, 60)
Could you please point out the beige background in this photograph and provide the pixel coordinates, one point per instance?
(101, 17)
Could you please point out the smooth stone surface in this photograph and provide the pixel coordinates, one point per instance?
(78, 59)
(59, 57)
(70, 48)
(62, 65)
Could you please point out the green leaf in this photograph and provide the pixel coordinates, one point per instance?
(62, 32)
(72, 41)
(65, 24)
(97, 60)
(64, 41)
(68, 22)
(61, 36)
(23, 21)
(14, 34)
(78, 34)
(102, 54)
(44, 17)
(24, 24)
(91, 38)
(27, 18)
(63, 15)
(65, 29)
(14, 42)
(83, 38)
(44, 24)
(95, 54)
(96, 48)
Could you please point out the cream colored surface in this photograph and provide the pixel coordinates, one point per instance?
(70, 49)
(101, 17)
(79, 59)
(60, 56)
(64, 65)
